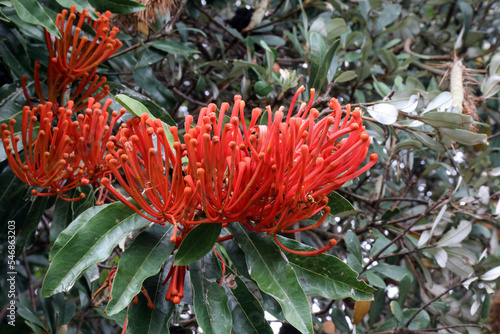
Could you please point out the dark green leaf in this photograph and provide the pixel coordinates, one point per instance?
(198, 242)
(151, 86)
(80, 6)
(375, 280)
(174, 47)
(210, 301)
(143, 258)
(338, 203)
(320, 58)
(395, 272)
(353, 245)
(117, 6)
(388, 16)
(404, 287)
(136, 108)
(141, 319)
(397, 311)
(449, 120)
(326, 275)
(248, 315)
(30, 11)
(89, 239)
(389, 59)
(465, 137)
(421, 321)
(274, 275)
(338, 318)
(345, 76)
(262, 88)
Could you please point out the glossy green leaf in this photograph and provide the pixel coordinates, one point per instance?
(338, 318)
(174, 47)
(117, 6)
(395, 272)
(326, 275)
(136, 108)
(80, 6)
(210, 301)
(338, 203)
(449, 120)
(404, 288)
(30, 11)
(154, 88)
(197, 243)
(320, 58)
(464, 136)
(389, 59)
(262, 88)
(248, 314)
(141, 319)
(397, 311)
(421, 321)
(274, 275)
(388, 16)
(89, 239)
(375, 280)
(143, 258)
(345, 76)
(353, 245)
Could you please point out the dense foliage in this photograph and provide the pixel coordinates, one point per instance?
(415, 237)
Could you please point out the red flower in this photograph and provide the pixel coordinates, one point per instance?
(75, 58)
(92, 133)
(50, 160)
(153, 172)
(270, 177)
(63, 154)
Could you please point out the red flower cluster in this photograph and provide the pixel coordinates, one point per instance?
(73, 60)
(268, 177)
(67, 151)
(64, 154)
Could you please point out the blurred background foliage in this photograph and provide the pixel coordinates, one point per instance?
(423, 229)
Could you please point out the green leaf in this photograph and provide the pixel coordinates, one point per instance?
(449, 120)
(397, 311)
(338, 203)
(262, 88)
(89, 239)
(389, 59)
(274, 275)
(395, 272)
(319, 60)
(326, 275)
(388, 16)
(154, 88)
(30, 11)
(465, 137)
(117, 6)
(338, 318)
(210, 301)
(174, 47)
(248, 315)
(404, 287)
(429, 142)
(141, 319)
(353, 245)
(80, 6)
(375, 280)
(421, 321)
(136, 108)
(143, 258)
(345, 76)
(197, 243)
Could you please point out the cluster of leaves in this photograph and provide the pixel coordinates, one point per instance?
(423, 227)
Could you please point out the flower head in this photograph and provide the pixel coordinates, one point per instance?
(271, 176)
(74, 58)
(49, 159)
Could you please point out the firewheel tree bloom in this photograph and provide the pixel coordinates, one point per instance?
(62, 154)
(153, 178)
(73, 59)
(270, 177)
